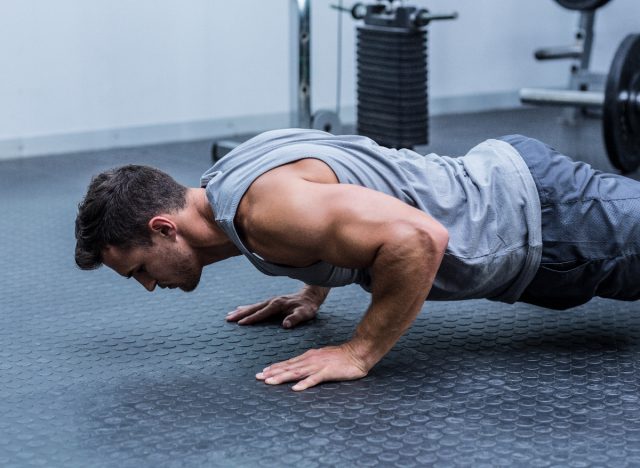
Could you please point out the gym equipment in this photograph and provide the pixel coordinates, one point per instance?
(582, 5)
(300, 55)
(620, 104)
(302, 115)
(581, 78)
(392, 91)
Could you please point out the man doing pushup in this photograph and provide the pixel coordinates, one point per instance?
(512, 220)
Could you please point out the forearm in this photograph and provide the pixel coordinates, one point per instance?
(402, 276)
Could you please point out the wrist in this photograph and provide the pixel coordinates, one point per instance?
(317, 294)
(364, 352)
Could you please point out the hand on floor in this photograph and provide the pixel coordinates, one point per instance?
(332, 363)
(296, 308)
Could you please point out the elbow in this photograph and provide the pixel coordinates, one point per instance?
(434, 241)
(440, 239)
(412, 253)
(433, 236)
(429, 238)
(433, 245)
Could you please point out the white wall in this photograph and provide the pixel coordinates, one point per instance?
(80, 74)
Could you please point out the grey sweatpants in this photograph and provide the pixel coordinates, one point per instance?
(590, 230)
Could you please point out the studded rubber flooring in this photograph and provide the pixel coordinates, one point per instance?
(96, 372)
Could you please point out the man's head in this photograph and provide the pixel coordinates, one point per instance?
(127, 220)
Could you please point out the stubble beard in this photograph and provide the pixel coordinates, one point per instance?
(186, 267)
(190, 286)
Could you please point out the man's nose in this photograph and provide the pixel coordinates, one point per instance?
(148, 283)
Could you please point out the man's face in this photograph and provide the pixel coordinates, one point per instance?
(166, 263)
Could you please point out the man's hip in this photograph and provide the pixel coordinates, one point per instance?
(590, 230)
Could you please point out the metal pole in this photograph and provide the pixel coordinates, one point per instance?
(585, 29)
(300, 60)
(562, 97)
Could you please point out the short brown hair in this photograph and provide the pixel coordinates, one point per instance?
(117, 207)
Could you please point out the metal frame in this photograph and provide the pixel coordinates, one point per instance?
(561, 97)
(581, 80)
(300, 54)
(300, 72)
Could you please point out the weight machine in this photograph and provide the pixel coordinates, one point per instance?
(392, 74)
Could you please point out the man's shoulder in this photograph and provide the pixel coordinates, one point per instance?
(306, 169)
(278, 188)
(270, 211)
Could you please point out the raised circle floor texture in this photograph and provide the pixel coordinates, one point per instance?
(95, 371)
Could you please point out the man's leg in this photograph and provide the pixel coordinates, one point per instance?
(590, 230)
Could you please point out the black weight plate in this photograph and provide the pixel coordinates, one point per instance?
(408, 109)
(620, 114)
(398, 55)
(391, 34)
(381, 44)
(386, 127)
(390, 102)
(392, 97)
(391, 84)
(386, 49)
(400, 116)
(416, 81)
(390, 72)
(582, 4)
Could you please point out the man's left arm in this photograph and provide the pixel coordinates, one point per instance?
(355, 227)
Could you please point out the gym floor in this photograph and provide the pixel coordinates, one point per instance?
(94, 371)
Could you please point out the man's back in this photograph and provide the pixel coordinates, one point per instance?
(486, 199)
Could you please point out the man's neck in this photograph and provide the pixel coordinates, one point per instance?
(200, 229)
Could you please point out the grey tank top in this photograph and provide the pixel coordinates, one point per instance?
(486, 199)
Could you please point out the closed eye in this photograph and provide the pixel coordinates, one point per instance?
(140, 269)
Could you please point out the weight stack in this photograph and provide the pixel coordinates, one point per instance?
(392, 85)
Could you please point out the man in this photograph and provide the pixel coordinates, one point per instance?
(512, 220)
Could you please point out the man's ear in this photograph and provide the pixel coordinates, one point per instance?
(163, 226)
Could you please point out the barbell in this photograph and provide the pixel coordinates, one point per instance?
(620, 104)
